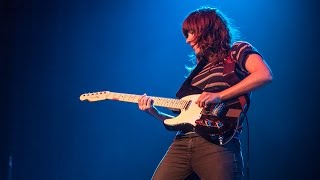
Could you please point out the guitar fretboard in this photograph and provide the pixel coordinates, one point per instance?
(133, 98)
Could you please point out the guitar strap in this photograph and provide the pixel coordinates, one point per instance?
(231, 77)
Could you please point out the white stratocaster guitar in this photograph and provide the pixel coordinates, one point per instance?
(217, 120)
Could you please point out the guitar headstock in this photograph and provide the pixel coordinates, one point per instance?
(95, 96)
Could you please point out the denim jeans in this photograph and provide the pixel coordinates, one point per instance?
(189, 154)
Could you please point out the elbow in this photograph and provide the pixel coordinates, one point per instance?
(268, 78)
(265, 77)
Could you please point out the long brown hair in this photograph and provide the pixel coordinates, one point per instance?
(213, 33)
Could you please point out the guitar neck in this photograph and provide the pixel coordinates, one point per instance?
(157, 101)
(133, 98)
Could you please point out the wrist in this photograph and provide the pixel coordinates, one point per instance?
(153, 111)
(221, 95)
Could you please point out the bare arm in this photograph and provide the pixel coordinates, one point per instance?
(260, 74)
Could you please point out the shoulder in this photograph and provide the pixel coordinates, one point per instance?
(240, 48)
(240, 51)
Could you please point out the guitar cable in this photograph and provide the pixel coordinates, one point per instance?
(248, 138)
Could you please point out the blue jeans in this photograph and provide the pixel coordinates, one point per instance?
(193, 154)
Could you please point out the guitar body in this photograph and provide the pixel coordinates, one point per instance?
(219, 121)
(186, 120)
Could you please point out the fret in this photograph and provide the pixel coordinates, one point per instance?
(122, 97)
(125, 97)
(108, 96)
(133, 98)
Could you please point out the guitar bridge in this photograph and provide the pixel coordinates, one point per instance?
(218, 109)
(215, 111)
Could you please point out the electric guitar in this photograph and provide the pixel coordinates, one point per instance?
(219, 120)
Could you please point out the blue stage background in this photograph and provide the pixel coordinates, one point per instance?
(56, 50)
